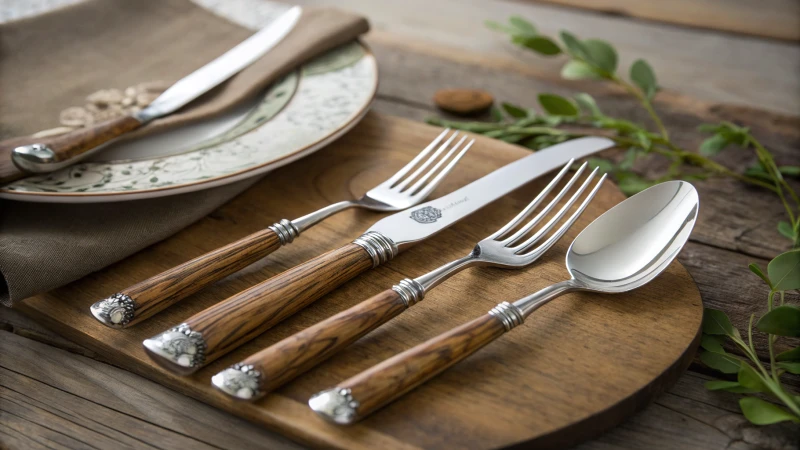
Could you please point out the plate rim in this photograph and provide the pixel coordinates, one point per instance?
(99, 197)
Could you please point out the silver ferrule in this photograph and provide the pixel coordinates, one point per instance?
(285, 230)
(336, 405)
(241, 381)
(379, 247)
(410, 291)
(509, 314)
(179, 349)
(116, 311)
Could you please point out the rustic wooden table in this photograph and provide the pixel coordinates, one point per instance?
(734, 59)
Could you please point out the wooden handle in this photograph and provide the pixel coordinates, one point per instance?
(364, 393)
(150, 296)
(70, 145)
(296, 354)
(221, 328)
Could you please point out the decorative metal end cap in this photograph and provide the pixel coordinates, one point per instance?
(178, 349)
(116, 311)
(285, 230)
(509, 314)
(32, 158)
(336, 405)
(241, 381)
(379, 247)
(410, 291)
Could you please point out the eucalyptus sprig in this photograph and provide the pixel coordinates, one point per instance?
(567, 118)
(783, 274)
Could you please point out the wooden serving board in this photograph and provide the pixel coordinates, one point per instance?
(578, 366)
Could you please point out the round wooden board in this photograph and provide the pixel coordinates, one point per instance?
(578, 366)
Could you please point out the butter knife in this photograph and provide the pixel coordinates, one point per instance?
(41, 155)
(221, 328)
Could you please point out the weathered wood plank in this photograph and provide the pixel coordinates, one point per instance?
(703, 64)
(52, 398)
(778, 19)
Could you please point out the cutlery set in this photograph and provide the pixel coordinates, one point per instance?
(623, 249)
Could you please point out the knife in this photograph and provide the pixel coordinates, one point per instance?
(221, 328)
(49, 154)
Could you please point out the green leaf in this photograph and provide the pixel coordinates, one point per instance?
(716, 322)
(789, 355)
(603, 165)
(785, 229)
(540, 44)
(522, 26)
(496, 114)
(760, 412)
(750, 379)
(643, 76)
(601, 54)
(729, 386)
(514, 111)
(557, 105)
(757, 270)
(492, 25)
(792, 171)
(574, 46)
(722, 362)
(629, 159)
(791, 367)
(784, 271)
(579, 70)
(713, 145)
(783, 321)
(630, 183)
(588, 103)
(644, 140)
(712, 343)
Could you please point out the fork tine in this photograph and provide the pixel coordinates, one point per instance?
(509, 241)
(559, 215)
(401, 186)
(438, 179)
(407, 168)
(419, 183)
(533, 204)
(560, 232)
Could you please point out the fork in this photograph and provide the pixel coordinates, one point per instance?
(150, 296)
(276, 365)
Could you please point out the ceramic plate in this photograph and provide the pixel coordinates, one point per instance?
(299, 114)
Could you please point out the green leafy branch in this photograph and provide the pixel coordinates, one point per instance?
(783, 274)
(568, 118)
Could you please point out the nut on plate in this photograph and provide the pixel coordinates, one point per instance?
(463, 101)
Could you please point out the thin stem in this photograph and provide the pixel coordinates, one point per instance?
(645, 102)
(750, 333)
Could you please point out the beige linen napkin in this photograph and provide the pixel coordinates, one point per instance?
(53, 61)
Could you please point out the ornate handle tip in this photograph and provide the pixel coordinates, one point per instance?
(30, 158)
(240, 381)
(179, 349)
(116, 311)
(336, 405)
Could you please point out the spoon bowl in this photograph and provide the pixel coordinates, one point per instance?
(633, 242)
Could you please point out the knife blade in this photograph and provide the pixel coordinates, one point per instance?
(221, 328)
(60, 151)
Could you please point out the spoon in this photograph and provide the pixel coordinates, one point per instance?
(623, 249)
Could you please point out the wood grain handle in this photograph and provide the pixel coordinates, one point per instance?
(39, 155)
(221, 328)
(142, 300)
(282, 362)
(364, 393)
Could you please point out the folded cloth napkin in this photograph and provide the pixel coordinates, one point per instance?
(53, 61)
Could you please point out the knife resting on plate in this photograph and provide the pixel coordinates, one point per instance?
(41, 155)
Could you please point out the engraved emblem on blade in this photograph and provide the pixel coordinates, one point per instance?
(428, 214)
